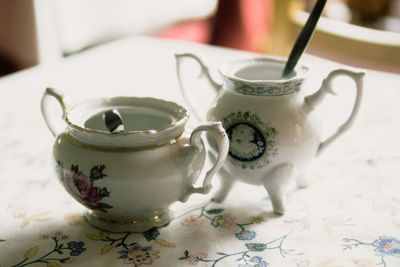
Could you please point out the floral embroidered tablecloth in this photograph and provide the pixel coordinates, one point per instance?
(349, 215)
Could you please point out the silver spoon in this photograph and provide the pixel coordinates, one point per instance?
(113, 121)
(304, 38)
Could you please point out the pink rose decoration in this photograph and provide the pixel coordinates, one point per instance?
(82, 187)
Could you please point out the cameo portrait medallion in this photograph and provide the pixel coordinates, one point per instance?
(252, 142)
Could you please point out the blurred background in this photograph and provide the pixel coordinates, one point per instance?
(361, 33)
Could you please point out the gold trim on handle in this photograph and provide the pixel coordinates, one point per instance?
(151, 219)
(119, 149)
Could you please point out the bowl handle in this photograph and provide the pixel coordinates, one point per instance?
(218, 133)
(55, 126)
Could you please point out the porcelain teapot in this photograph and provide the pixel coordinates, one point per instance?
(129, 179)
(272, 134)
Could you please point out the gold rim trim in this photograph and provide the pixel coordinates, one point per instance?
(154, 218)
(183, 119)
(120, 149)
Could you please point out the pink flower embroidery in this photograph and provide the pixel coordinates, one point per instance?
(192, 220)
(193, 259)
(57, 235)
(364, 263)
(69, 260)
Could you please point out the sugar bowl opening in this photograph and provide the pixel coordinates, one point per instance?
(145, 120)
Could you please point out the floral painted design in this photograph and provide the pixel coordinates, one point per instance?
(255, 261)
(218, 219)
(364, 263)
(384, 246)
(76, 247)
(302, 263)
(56, 235)
(82, 188)
(387, 245)
(26, 220)
(58, 255)
(193, 259)
(297, 224)
(245, 235)
(225, 221)
(257, 219)
(117, 240)
(138, 255)
(75, 219)
(245, 259)
(192, 220)
(328, 263)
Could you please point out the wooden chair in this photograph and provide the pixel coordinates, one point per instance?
(339, 41)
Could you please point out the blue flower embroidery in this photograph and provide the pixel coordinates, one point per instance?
(387, 245)
(245, 235)
(138, 255)
(224, 221)
(76, 248)
(255, 261)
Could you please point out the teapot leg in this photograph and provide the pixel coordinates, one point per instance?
(301, 181)
(276, 183)
(227, 181)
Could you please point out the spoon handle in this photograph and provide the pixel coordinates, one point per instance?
(113, 121)
(304, 38)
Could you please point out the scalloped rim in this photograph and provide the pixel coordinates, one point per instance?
(181, 117)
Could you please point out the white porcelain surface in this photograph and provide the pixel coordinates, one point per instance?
(128, 180)
(273, 133)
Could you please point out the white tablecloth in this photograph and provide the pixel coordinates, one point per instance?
(348, 216)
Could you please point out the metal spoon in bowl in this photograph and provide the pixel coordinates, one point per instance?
(113, 121)
(304, 38)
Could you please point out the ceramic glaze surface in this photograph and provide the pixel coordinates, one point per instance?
(272, 132)
(129, 179)
(136, 190)
(264, 138)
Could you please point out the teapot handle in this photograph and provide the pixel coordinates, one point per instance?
(54, 126)
(326, 87)
(203, 70)
(218, 132)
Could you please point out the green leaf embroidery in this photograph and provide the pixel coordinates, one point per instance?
(151, 234)
(256, 246)
(214, 211)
